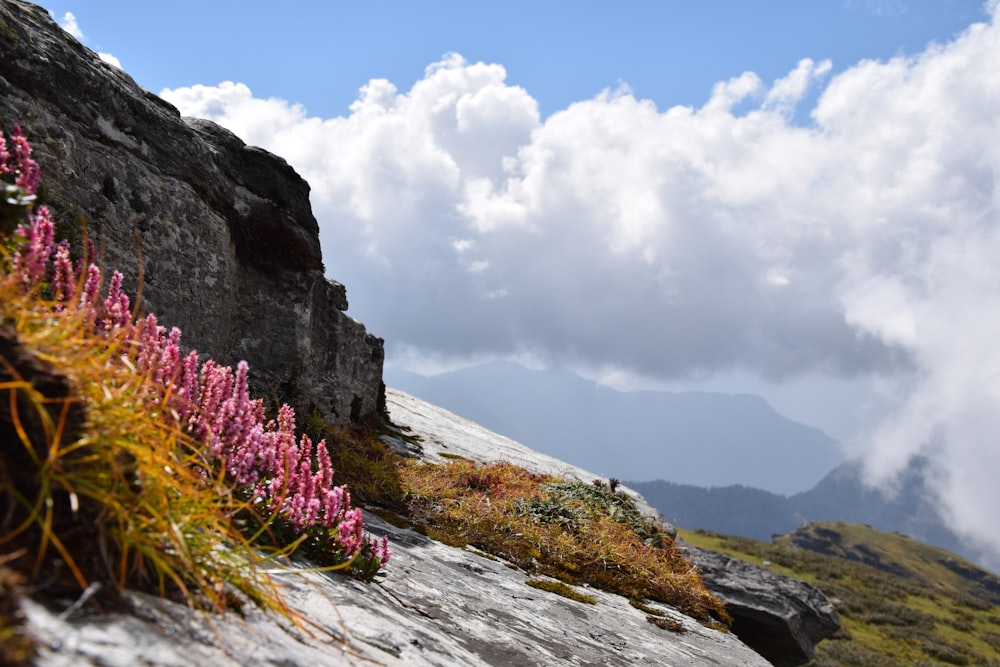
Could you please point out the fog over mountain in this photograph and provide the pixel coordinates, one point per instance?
(907, 506)
(700, 438)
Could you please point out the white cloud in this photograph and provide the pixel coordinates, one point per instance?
(68, 23)
(681, 242)
(787, 92)
(110, 59)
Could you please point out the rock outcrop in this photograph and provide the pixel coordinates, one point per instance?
(781, 618)
(438, 605)
(230, 249)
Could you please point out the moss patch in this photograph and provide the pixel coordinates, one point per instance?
(559, 588)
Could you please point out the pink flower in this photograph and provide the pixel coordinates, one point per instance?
(117, 313)
(64, 278)
(31, 260)
(289, 476)
(380, 550)
(91, 290)
(25, 168)
(4, 156)
(350, 532)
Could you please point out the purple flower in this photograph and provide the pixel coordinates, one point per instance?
(287, 475)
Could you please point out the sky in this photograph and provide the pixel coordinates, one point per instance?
(795, 199)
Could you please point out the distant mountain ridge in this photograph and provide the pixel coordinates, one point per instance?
(700, 438)
(840, 496)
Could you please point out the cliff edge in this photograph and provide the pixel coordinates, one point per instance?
(225, 233)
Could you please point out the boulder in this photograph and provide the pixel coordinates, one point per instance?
(781, 618)
(221, 234)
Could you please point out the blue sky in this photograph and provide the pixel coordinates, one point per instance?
(320, 53)
(797, 199)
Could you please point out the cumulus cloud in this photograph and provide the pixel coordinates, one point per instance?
(110, 59)
(685, 241)
(69, 24)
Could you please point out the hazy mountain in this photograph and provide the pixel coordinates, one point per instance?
(698, 438)
(840, 496)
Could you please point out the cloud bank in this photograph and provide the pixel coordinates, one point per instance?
(681, 242)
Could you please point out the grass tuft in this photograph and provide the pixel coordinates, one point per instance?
(573, 532)
(124, 496)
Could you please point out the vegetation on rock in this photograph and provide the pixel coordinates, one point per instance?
(559, 588)
(566, 529)
(908, 608)
(126, 463)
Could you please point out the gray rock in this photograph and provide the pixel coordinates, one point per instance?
(438, 605)
(229, 245)
(444, 435)
(781, 618)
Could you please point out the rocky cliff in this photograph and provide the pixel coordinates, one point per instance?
(224, 232)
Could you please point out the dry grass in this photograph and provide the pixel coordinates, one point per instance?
(574, 532)
(102, 486)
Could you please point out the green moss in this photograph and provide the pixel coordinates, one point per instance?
(482, 554)
(453, 457)
(391, 517)
(6, 33)
(559, 588)
(645, 608)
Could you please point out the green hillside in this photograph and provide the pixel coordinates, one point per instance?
(901, 602)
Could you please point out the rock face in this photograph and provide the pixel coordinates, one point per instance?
(781, 618)
(438, 605)
(230, 249)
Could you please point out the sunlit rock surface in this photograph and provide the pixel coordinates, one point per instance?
(439, 605)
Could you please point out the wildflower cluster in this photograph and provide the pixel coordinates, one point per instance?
(287, 481)
(18, 178)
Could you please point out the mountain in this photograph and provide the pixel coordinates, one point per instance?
(699, 438)
(900, 602)
(841, 495)
(730, 510)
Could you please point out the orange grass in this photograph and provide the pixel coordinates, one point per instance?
(562, 529)
(125, 500)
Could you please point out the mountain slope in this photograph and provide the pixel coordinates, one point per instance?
(909, 605)
(700, 438)
(897, 554)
